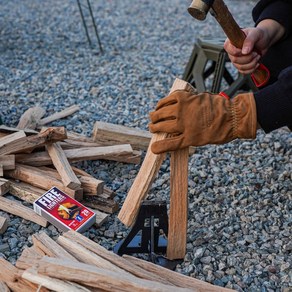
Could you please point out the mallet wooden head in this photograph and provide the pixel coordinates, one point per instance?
(200, 8)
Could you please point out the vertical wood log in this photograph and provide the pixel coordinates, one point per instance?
(147, 173)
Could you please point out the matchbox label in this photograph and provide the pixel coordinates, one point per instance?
(63, 211)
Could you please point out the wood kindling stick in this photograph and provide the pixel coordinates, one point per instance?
(178, 189)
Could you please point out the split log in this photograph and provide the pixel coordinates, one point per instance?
(147, 173)
(16, 208)
(1, 171)
(12, 278)
(63, 166)
(7, 161)
(86, 256)
(59, 115)
(53, 284)
(28, 143)
(112, 257)
(9, 130)
(4, 287)
(40, 179)
(29, 257)
(122, 153)
(50, 247)
(8, 141)
(102, 204)
(89, 184)
(3, 224)
(100, 278)
(4, 186)
(118, 134)
(175, 278)
(100, 217)
(31, 118)
(25, 191)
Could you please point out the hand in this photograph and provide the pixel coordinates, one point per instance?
(258, 40)
(196, 120)
(246, 60)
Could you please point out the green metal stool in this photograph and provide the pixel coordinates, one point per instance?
(210, 60)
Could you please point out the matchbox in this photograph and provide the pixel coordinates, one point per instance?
(63, 211)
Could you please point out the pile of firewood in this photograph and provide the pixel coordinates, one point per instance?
(75, 263)
(34, 158)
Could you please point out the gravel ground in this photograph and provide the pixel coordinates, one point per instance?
(240, 220)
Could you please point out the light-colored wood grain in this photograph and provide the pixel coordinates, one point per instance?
(119, 134)
(175, 278)
(100, 278)
(16, 208)
(52, 283)
(3, 224)
(4, 186)
(7, 161)
(39, 178)
(63, 166)
(147, 173)
(122, 153)
(50, 247)
(59, 115)
(31, 117)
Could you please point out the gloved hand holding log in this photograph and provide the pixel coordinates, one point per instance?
(201, 119)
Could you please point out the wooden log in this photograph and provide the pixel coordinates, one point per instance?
(4, 186)
(175, 278)
(1, 171)
(147, 173)
(3, 224)
(8, 141)
(12, 277)
(50, 247)
(59, 115)
(118, 134)
(112, 257)
(31, 118)
(123, 153)
(100, 278)
(86, 256)
(28, 143)
(9, 130)
(25, 191)
(39, 178)
(100, 217)
(29, 257)
(7, 161)
(53, 284)
(63, 166)
(16, 208)
(102, 204)
(89, 184)
(4, 287)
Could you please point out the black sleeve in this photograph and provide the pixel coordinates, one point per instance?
(274, 103)
(278, 10)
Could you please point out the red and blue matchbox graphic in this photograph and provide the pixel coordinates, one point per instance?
(63, 211)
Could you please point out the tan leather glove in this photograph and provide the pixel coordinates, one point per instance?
(196, 120)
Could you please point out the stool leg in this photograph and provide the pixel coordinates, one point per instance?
(83, 21)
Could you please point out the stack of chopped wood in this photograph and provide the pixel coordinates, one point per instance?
(75, 263)
(34, 158)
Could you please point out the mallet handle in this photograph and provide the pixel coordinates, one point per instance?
(236, 36)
